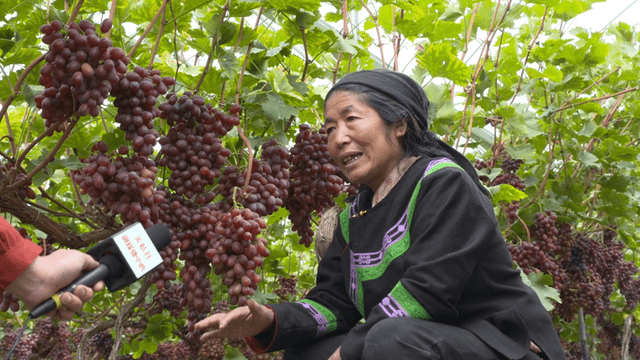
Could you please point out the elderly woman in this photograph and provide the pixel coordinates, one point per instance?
(418, 255)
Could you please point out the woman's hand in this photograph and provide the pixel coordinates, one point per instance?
(241, 322)
(335, 355)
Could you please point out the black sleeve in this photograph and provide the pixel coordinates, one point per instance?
(326, 309)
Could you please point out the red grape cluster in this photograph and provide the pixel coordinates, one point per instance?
(102, 343)
(194, 159)
(592, 269)
(269, 182)
(315, 180)
(540, 254)
(192, 149)
(136, 94)
(236, 251)
(169, 298)
(512, 211)
(544, 231)
(25, 347)
(125, 186)
(80, 69)
(287, 287)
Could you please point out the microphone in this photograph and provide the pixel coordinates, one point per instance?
(124, 258)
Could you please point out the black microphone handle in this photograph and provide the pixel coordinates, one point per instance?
(88, 279)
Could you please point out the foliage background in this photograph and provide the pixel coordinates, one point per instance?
(503, 77)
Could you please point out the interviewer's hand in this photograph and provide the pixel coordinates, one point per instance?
(48, 274)
(241, 322)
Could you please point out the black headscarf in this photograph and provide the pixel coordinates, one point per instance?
(408, 93)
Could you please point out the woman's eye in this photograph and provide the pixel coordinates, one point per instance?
(330, 130)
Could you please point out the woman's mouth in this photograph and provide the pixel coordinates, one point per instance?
(350, 159)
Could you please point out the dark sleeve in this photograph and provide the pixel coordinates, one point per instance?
(450, 224)
(327, 309)
(16, 253)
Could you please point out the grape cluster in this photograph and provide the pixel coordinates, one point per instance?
(268, 185)
(136, 94)
(169, 298)
(102, 343)
(192, 149)
(315, 180)
(512, 211)
(124, 186)
(80, 69)
(25, 347)
(236, 251)
(593, 266)
(287, 287)
(540, 255)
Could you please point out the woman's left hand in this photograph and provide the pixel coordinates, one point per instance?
(335, 355)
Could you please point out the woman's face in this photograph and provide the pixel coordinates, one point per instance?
(365, 148)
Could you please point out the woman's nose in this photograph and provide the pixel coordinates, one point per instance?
(341, 135)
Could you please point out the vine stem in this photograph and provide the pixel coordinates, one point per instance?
(526, 58)
(565, 107)
(157, 42)
(540, 190)
(49, 157)
(9, 135)
(486, 47)
(345, 33)
(375, 22)
(247, 177)
(466, 45)
(124, 315)
(146, 31)
(112, 14)
(246, 60)
(306, 53)
(16, 88)
(214, 43)
(75, 12)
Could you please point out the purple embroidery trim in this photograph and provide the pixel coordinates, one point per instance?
(434, 163)
(392, 307)
(322, 321)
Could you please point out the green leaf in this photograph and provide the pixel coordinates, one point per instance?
(553, 73)
(588, 159)
(275, 108)
(540, 283)
(505, 193)
(440, 60)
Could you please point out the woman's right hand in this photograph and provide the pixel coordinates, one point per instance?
(241, 322)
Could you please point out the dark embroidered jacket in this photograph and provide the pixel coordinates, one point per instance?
(432, 250)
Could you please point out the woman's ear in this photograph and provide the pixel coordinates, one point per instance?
(400, 128)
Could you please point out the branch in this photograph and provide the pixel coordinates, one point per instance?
(547, 173)
(16, 89)
(9, 135)
(157, 43)
(246, 60)
(49, 157)
(112, 14)
(375, 21)
(526, 58)
(466, 45)
(345, 33)
(214, 43)
(596, 99)
(151, 24)
(75, 12)
(306, 54)
(124, 315)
